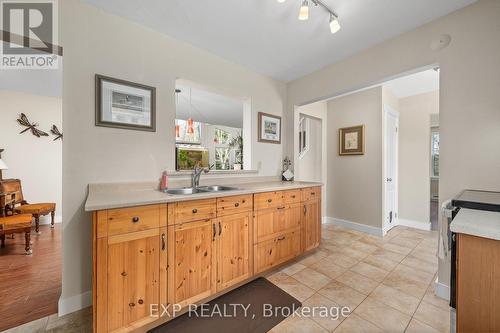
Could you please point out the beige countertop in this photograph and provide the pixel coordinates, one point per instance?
(477, 223)
(119, 195)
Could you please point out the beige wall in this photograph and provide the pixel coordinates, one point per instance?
(414, 155)
(469, 86)
(354, 187)
(36, 161)
(97, 42)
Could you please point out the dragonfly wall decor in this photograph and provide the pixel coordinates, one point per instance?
(54, 130)
(23, 121)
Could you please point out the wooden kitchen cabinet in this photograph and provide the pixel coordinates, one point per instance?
(192, 260)
(234, 249)
(311, 224)
(478, 287)
(185, 252)
(133, 277)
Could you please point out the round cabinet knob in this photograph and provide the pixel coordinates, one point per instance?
(195, 211)
(124, 273)
(131, 305)
(269, 200)
(140, 301)
(236, 204)
(135, 219)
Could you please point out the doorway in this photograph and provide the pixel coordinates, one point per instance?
(391, 138)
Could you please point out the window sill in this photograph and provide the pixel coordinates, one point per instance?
(176, 173)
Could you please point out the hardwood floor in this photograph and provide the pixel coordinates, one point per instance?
(30, 286)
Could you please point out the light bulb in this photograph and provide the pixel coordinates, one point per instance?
(304, 11)
(281, 1)
(334, 24)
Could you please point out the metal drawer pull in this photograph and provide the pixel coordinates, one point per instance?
(135, 219)
(236, 204)
(305, 209)
(215, 231)
(163, 245)
(195, 210)
(281, 238)
(220, 229)
(282, 207)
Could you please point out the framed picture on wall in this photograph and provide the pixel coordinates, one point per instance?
(352, 140)
(269, 128)
(124, 104)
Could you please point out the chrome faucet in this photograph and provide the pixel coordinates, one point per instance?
(195, 176)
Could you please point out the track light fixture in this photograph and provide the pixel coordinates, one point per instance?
(304, 13)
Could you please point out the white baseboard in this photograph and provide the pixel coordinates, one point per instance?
(414, 224)
(441, 290)
(355, 226)
(74, 303)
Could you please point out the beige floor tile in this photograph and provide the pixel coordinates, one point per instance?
(342, 294)
(417, 327)
(429, 257)
(380, 262)
(420, 265)
(342, 241)
(277, 276)
(328, 267)
(439, 302)
(293, 268)
(410, 242)
(364, 247)
(353, 253)
(295, 324)
(396, 299)
(343, 260)
(373, 240)
(327, 234)
(312, 258)
(433, 316)
(327, 313)
(385, 253)
(373, 272)
(407, 286)
(36, 326)
(311, 278)
(397, 248)
(356, 324)
(294, 287)
(414, 274)
(358, 282)
(387, 318)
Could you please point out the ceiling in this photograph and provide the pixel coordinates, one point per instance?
(267, 37)
(414, 84)
(208, 107)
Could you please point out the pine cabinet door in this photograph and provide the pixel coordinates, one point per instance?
(133, 277)
(233, 249)
(194, 261)
(311, 230)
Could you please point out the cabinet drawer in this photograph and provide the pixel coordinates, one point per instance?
(291, 197)
(311, 193)
(125, 220)
(234, 205)
(267, 200)
(276, 251)
(271, 223)
(187, 211)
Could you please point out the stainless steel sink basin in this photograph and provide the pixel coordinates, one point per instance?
(183, 191)
(202, 189)
(216, 188)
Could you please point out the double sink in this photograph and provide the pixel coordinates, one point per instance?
(201, 189)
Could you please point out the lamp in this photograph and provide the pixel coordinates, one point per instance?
(334, 23)
(304, 11)
(3, 166)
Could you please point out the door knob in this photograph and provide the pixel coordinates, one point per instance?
(389, 179)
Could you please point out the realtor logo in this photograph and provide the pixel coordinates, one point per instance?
(29, 34)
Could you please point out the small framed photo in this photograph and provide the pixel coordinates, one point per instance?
(269, 128)
(352, 140)
(124, 104)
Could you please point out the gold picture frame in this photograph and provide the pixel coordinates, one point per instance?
(352, 140)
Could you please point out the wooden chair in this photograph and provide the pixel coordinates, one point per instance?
(21, 206)
(14, 224)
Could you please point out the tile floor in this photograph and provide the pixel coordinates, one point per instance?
(386, 282)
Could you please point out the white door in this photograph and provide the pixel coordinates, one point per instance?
(391, 168)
